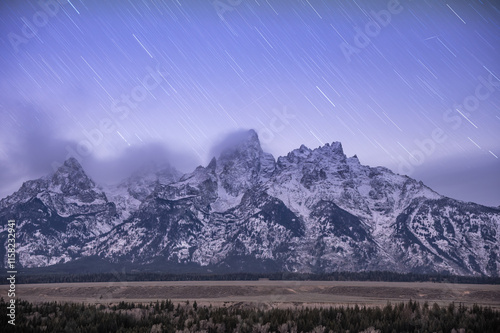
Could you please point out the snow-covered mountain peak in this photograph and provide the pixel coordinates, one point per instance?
(327, 154)
(246, 146)
(315, 210)
(353, 160)
(244, 164)
(335, 147)
(331, 152)
(69, 183)
(72, 163)
(71, 178)
(297, 154)
(212, 165)
(133, 190)
(71, 166)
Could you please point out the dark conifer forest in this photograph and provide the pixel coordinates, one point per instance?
(165, 316)
(118, 276)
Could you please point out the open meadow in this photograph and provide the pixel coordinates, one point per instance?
(262, 293)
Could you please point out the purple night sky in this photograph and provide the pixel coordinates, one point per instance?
(410, 85)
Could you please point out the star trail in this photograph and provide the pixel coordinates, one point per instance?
(410, 85)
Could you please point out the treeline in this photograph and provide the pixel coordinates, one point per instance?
(164, 316)
(335, 276)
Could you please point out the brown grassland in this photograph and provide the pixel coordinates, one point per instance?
(263, 293)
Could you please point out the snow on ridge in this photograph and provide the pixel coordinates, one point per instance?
(366, 218)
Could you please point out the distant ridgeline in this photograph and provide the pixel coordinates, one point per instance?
(336, 276)
(312, 211)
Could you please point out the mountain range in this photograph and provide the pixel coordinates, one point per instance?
(313, 210)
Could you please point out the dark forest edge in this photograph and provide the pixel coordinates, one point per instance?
(121, 276)
(165, 316)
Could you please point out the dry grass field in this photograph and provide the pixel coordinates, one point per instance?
(263, 293)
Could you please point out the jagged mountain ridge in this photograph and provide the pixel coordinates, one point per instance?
(314, 210)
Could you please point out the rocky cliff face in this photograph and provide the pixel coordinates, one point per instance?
(314, 210)
(56, 216)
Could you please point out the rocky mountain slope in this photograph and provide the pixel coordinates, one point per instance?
(314, 210)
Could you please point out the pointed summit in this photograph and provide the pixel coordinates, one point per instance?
(213, 164)
(72, 163)
(337, 148)
(70, 167)
(252, 134)
(240, 142)
(71, 178)
(242, 162)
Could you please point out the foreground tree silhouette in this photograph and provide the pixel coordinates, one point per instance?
(164, 316)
